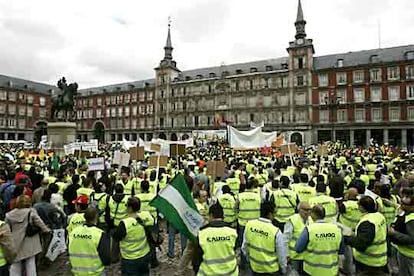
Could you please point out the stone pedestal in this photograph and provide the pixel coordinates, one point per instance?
(60, 134)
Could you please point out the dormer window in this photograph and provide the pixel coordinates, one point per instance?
(285, 66)
(340, 63)
(239, 71)
(187, 78)
(253, 70)
(269, 68)
(225, 73)
(374, 59)
(212, 75)
(409, 55)
(199, 77)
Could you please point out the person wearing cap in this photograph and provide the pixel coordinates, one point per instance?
(78, 218)
(89, 247)
(133, 238)
(369, 242)
(401, 233)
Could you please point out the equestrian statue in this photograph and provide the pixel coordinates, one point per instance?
(64, 101)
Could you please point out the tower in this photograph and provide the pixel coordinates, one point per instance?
(301, 52)
(165, 73)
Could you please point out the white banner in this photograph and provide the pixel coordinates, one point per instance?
(254, 138)
(210, 134)
(57, 245)
(165, 144)
(121, 159)
(96, 164)
(92, 145)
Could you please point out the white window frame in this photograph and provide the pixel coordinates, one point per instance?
(341, 93)
(373, 117)
(362, 111)
(359, 73)
(359, 95)
(323, 96)
(394, 114)
(393, 73)
(323, 80)
(375, 75)
(376, 89)
(339, 118)
(325, 117)
(341, 78)
(409, 72)
(394, 93)
(410, 92)
(42, 101)
(410, 113)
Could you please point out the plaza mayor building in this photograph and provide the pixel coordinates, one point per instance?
(352, 97)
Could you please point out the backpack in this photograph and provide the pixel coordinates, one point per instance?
(3, 207)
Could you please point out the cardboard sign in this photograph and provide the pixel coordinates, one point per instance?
(155, 147)
(323, 150)
(85, 154)
(163, 161)
(177, 150)
(285, 148)
(121, 159)
(216, 169)
(136, 153)
(96, 164)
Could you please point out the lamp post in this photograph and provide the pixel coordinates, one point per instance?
(332, 102)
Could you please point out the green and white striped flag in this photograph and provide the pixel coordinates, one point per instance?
(178, 208)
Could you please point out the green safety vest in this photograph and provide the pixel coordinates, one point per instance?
(84, 191)
(118, 211)
(228, 203)
(390, 212)
(304, 192)
(218, 245)
(321, 257)
(261, 246)
(234, 184)
(285, 204)
(83, 251)
(329, 203)
(407, 251)
(376, 253)
(3, 260)
(145, 199)
(298, 225)
(135, 244)
(77, 219)
(352, 214)
(249, 207)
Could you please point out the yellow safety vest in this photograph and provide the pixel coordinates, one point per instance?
(352, 214)
(249, 207)
(376, 253)
(84, 191)
(371, 171)
(62, 186)
(77, 219)
(285, 204)
(135, 244)
(147, 218)
(321, 256)
(100, 198)
(83, 251)
(298, 225)
(153, 185)
(329, 203)
(390, 212)
(3, 260)
(228, 203)
(365, 178)
(118, 211)
(145, 199)
(261, 246)
(304, 192)
(219, 257)
(132, 183)
(234, 184)
(407, 251)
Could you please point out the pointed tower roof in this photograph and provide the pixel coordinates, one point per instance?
(300, 22)
(168, 61)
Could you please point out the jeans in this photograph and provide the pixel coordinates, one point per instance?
(29, 265)
(240, 236)
(405, 264)
(137, 267)
(4, 270)
(298, 266)
(171, 237)
(348, 265)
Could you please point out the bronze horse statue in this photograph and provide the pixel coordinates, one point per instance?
(64, 101)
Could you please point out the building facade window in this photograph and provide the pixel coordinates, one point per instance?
(134, 97)
(359, 95)
(341, 94)
(323, 97)
(323, 116)
(410, 113)
(42, 113)
(341, 115)
(134, 110)
(22, 111)
(394, 93)
(12, 96)
(99, 102)
(300, 81)
(2, 108)
(42, 101)
(98, 113)
(3, 95)
(323, 80)
(376, 114)
(149, 96)
(150, 108)
(29, 111)
(409, 72)
(360, 115)
(108, 112)
(113, 112)
(393, 73)
(21, 123)
(410, 92)
(394, 114)
(120, 112)
(358, 76)
(29, 99)
(142, 108)
(376, 94)
(126, 111)
(12, 109)
(375, 75)
(341, 78)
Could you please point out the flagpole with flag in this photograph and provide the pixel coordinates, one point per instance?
(178, 208)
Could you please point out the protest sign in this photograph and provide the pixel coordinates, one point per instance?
(96, 164)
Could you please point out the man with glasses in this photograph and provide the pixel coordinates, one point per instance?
(293, 228)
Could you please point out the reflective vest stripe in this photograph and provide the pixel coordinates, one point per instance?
(86, 256)
(132, 251)
(334, 264)
(379, 255)
(135, 240)
(322, 252)
(260, 249)
(407, 251)
(272, 262)
(201, 272)
(350, 218)
(85, 269)
(218, 261)
(250, 210)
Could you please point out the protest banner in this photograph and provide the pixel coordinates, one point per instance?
(96, 164)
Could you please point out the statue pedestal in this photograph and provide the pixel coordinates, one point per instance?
(60, 134)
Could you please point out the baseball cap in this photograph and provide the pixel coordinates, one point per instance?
(82, 199)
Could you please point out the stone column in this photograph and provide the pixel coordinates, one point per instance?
(333, 135)
(404, 138)
(385, 135)
(368, 138)
(351, 138)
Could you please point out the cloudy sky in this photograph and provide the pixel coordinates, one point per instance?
(104, 42)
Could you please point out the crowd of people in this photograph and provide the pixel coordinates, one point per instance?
(348, 212)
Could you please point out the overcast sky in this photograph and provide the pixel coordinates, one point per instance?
(105, 42)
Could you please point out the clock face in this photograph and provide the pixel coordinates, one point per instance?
(299, 41)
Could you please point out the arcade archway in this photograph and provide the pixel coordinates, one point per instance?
(99, 132)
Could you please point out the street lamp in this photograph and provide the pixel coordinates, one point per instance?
(332, 102)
